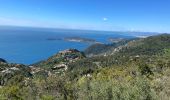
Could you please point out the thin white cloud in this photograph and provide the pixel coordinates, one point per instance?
(105, 19)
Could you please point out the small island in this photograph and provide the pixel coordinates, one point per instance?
(53, 39)
(73, 39)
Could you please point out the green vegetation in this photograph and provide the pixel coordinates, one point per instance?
(139, 70)
(99, 49)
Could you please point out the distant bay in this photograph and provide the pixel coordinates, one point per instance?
(30, 45)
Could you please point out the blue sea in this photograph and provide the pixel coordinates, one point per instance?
(30, 45)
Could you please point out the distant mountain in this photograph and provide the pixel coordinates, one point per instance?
(141, 34)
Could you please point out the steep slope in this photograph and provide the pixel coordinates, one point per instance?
(144, 46)
(142, 50)
(103, 49)
(121, 53)
(147, 46)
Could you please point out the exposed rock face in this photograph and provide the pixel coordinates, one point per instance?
(60, 66)
(35, 69)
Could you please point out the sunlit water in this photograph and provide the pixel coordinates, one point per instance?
(29, 45)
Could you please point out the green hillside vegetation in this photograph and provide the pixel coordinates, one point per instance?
(148, 46)
(100, 49)
(138, 70)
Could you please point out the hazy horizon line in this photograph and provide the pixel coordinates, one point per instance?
(39, 27)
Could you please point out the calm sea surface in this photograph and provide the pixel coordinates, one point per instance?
(30, 45)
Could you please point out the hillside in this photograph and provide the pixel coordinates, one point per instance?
(11, 73)
(135, 69)
(147, 46)
(103, 49)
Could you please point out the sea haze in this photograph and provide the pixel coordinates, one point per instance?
(30, 45)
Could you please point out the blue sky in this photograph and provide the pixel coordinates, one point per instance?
(114, 15)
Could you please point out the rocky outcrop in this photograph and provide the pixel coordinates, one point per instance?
(63, 57)
(60, 66)
(59, 63)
